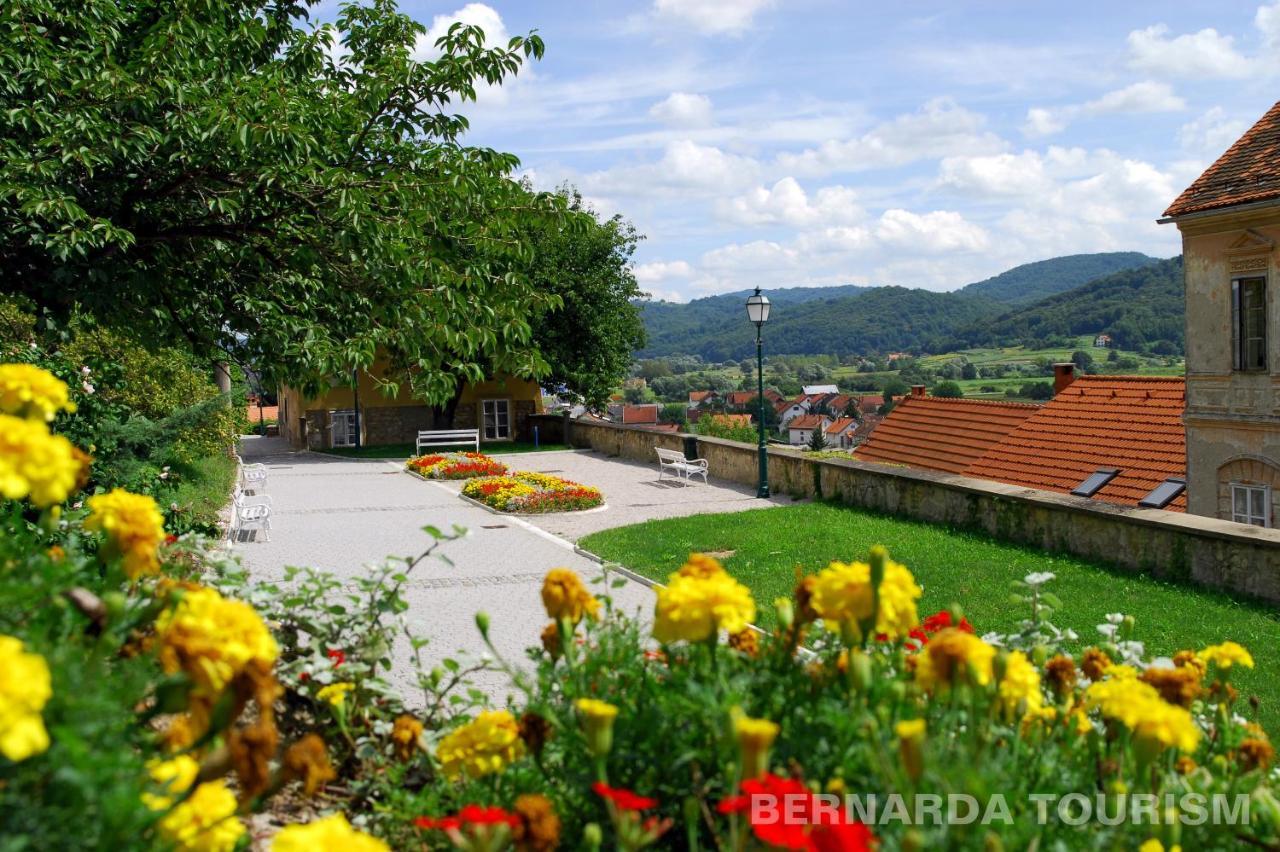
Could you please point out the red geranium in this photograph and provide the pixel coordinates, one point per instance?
(470, 815)
(624, 799)
(940, 620)
(338, 656)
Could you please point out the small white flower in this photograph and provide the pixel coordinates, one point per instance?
(1039, 578)
(88, 388)
(1108, 630)
(84, 371)
(1115, 617)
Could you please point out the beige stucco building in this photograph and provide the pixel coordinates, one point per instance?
(1229, 219)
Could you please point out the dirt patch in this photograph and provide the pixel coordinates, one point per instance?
(719, 554)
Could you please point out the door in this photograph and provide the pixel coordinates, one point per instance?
(342, 424)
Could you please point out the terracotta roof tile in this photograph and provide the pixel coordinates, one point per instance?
(739, 397)
(1133, 423)
(840, 424)
(647, 413)
(806, 421)
(699, 396)
(942, 434)
(1248, 171)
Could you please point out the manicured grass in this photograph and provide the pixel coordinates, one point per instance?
(404, 451)
(768, 546)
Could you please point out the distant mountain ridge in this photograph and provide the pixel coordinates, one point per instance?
(859, 320)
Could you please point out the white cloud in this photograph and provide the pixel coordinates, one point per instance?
(1267, 20)
(685, 167)
(786, 203)
(476, 14)
(712, 17)
(1211, 133)
(659, 271)
(1143, 97)
(940, 231)
(1206, 53)
(681, 109)
(938, 128)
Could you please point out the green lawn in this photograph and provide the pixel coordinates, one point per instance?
(205, 487)
(403, 451)
(955, 566)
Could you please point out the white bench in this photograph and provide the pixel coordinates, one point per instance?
(253, 477)
(248, 512)
(674, 462)
(447, 438)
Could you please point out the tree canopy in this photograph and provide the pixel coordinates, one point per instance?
(226, 173)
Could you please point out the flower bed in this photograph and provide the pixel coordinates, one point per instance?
(455, 465)
(529, 492)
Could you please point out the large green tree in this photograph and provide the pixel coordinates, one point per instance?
(587, 340)
(298, 196)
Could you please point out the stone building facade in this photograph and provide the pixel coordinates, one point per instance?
(1229, 219)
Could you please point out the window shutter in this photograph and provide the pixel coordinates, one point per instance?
(1237, 336)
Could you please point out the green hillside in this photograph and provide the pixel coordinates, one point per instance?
(1142, 309)
(1031, 282)
(851, 320)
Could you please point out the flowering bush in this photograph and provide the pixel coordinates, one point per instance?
(530, 492)
(455, 465)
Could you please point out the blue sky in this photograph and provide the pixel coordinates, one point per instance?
(926, 144)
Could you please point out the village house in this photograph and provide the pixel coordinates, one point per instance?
(789, 409)
(1102, 341)
(800, 430)
(703, 398)
(814, 390)
(840, 432)
(351, 413)
(1229, 219)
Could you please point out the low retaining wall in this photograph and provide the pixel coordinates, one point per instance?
(1170, 545)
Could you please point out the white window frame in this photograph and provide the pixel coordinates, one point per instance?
(1244, 492)
(349, 437)
(484, 420)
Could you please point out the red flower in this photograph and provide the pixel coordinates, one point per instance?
(479, 815)
(338, 656)
(170, 539)
(938, 621)
(783, 813)
(624, 799)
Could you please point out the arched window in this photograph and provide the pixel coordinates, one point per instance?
(1247, 490)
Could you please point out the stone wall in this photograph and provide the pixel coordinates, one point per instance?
(398, 424)
(1170, 545)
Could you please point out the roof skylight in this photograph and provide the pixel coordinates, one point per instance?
(1093, 482)
(1164, 493)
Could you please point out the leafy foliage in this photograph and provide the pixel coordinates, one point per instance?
(222, 173)
(1031, 282)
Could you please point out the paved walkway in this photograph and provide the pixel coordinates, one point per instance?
(340, 515)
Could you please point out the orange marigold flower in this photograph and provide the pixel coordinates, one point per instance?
(805, 613)
(745, 641)
(1179, 686)
(534, 732)
(1255, 753)
(405, 734)
(1184, 765)
(539, 827)
(551, 641)
(1061, 674)
(1095, 663)
(307, 761)
(252, 749)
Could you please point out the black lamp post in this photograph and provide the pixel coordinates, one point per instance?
(758, 313)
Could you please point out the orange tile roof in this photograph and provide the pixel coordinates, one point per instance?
(840, 424)
(942, 434)
(1133, 423)
(699, 396)
(739, 397)
(647, 413)
(1248, 171)
(806, 421)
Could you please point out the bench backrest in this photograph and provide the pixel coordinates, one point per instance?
(669, 455)
(448, 433)
(447, 438)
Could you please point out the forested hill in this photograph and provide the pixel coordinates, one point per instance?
(1140, 308)
(1031, 282)
(860, 320)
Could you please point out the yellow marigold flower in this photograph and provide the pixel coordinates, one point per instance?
(565, 597)
(910, 729)
(1020, 687)
(203, 822)
(33, 393)
(1154, 845)
(134, 528)
(696, 607)
(25, 687)
(755, 737)
(1226, 655)
(328, 834)
(483, 746)
(335, 693)
(1139, 707)
(953, 656)
(35, 464)
(700, 565)
(212, 639)
(597, 723)
(842, 597)
(174, 777)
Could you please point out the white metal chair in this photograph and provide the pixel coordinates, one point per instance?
(253, 477)
(249, 512)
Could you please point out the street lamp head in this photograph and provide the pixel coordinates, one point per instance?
(758, 308)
